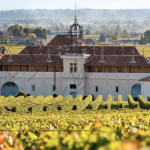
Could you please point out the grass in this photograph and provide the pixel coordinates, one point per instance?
(48, 40)
(146, 49)
(15, 49)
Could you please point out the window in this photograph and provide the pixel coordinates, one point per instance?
(10, 84)
(54, 87)
(72, 86)
(73, 67)
(120, 69)
(99, 69)
(33, 87)
(96, 88)
(117, 88)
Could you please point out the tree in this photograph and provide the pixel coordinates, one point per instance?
(16, 29)
(32, 35)
(147, 36)
(1, 34)
(102, 38)
(40, 32)
(87, 32)
(97, 32)
(114, 38)
(48, 32)
(125, 31)
(142, 40)
(117, 33)
(26, 30)
(118, 28)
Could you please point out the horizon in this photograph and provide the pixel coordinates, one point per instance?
(66, 4)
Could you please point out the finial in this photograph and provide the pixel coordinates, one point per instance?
(40, 50)
(102, 50)
(94, 50)
(133, 52)
(122, 50)
(75, 14)
(49, 58)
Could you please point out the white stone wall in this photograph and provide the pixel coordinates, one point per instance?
(145, 89)
(106, 82)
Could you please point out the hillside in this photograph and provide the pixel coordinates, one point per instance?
(81, 13)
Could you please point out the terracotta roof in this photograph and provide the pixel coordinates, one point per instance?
(44, 49)
(31, 60)
(115, 60)
(145, 79)
(117, 42)
(108, 50)
(61, 40)
(109, 42)
(112, 50)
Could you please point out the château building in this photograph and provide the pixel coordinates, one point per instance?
(67, 66)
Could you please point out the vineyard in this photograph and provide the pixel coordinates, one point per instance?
(64, 123)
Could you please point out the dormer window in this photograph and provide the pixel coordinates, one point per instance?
(10, 58)
(73, 67)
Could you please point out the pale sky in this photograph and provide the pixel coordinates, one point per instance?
(69, 4)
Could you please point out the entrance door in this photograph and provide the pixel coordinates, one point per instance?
(136, 90)
(73, 94)
(9, 88)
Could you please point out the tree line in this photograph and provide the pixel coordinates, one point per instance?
(19, 30)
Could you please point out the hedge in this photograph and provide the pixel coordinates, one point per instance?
(95, 104)
(108, 102)
(84, 104)
(143, 103)
(74, 104)
(120, 104)
(132, 103)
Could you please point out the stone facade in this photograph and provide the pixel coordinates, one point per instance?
(85, 82)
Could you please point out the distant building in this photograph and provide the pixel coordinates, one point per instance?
(22, 40)
(89, 41)
(148, 43)
(123, 42)
(130, 42)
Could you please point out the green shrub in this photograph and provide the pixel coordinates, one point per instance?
(143, 103)
(132, 103)
(21, 93)
(108, 102)
(120, 104)
(148, 98)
